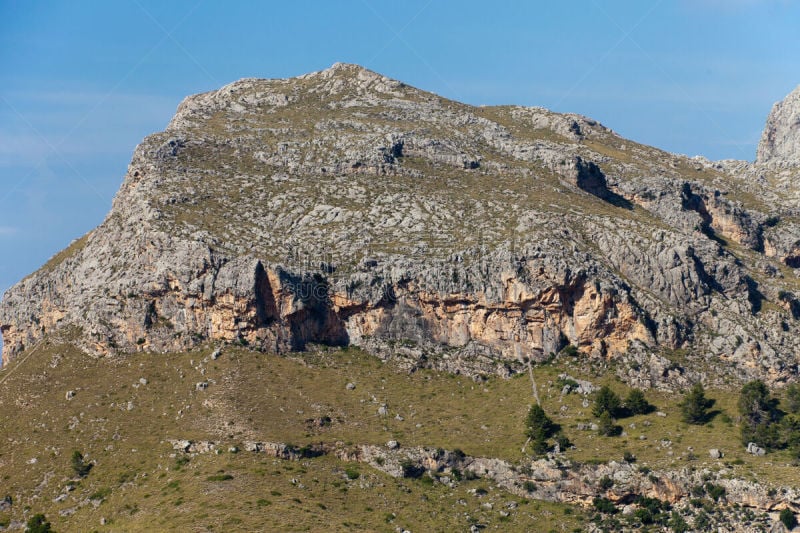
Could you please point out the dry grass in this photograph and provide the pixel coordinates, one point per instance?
(254, 396)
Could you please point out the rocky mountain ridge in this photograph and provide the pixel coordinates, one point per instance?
(343, 207)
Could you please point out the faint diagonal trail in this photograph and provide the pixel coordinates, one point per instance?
(17, 364)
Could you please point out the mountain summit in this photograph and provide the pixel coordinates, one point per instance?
(780, 140)
(344, 207)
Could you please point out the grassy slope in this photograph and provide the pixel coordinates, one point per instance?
(263, 397)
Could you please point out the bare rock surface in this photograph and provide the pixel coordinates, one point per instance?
(343, 207)
(780, 140)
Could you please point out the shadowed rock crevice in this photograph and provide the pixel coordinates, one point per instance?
(266, 308)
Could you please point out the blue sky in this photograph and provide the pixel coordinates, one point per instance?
(81, 83)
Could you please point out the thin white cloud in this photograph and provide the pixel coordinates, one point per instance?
(7, 231)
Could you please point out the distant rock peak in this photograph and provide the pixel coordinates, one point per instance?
(780, 141)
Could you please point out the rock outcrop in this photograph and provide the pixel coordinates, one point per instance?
(343, 207)
(550, 479)
(780, 141)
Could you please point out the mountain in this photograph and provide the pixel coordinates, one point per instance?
(345, 208)
(332, 302)
(780, 142)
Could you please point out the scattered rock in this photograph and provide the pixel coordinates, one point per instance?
(182, 445)
(203, 385)
(754, 449)
(350, 386)
(392, 445)
(715, 453)
(70, 394)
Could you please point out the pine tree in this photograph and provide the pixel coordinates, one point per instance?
(539, 429)
(606, 401)
(793, 398)
(695, 405)
(636, 403)
(760, 415)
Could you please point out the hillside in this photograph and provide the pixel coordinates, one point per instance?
(283, 238)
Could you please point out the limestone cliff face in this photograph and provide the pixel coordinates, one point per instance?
(343, 207)
(780, 141)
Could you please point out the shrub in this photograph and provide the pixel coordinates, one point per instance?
(606, 401)
(352, 473)
(604, 505)
(695, 405)
(654, 505)
(529, 486)
(570, 350)
(605, 483)
(628, 457)
(607, 427)
(637, 404)
(715, 491)
(677, 523)
(37, 524)
(788, 519)
(180, 462)
(100, 494)
(571, 384)
(793, 398)
(79, 464)
(219, 477)
(644, 516)
(702, 522)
